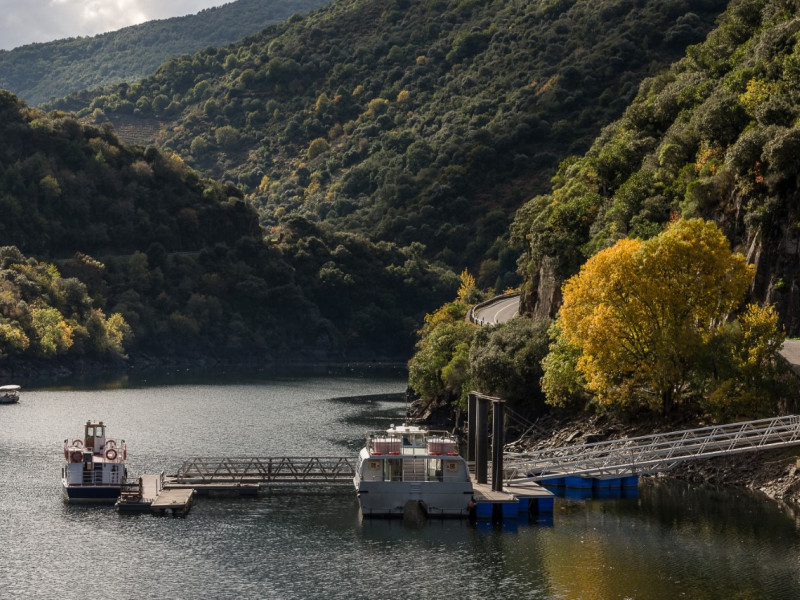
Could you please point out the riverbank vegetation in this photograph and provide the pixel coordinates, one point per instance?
(45, 315)
(657, 326)
(660, 324)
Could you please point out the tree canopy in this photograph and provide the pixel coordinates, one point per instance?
(41, 72)
(649, 322)
(183, 260)
(714, 136)
(403, 121)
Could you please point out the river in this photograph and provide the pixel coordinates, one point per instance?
(672, 541)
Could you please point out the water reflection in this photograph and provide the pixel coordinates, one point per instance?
(673, 540)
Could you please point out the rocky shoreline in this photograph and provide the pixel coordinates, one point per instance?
(775, 473)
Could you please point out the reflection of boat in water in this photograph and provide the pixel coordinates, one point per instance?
(9, 394)
(94, 469)
(409, 464)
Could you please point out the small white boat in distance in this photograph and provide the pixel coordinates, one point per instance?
(94, 469)
(410, 464)
(9, 394)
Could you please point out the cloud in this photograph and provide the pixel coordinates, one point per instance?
(32, 21)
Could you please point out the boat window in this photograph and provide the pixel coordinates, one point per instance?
(393, 469)
(434, 469)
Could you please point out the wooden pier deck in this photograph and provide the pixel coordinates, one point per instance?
(483, 492)
(151, 493)
(512, 492)
(173, 501)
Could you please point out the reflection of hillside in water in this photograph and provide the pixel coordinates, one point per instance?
(674, 540)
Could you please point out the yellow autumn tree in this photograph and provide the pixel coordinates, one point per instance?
(640, 315)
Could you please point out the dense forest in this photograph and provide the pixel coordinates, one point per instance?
(369, 150)
(662, 270)
(714, 136)
(41, 72)
(425, 122)
(122, 249)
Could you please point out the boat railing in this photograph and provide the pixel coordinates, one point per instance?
(411, 443)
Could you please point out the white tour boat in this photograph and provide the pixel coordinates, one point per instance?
(9, 394)
(410, 464)
(94, 468)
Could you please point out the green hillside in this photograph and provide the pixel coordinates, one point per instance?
(39, 72)
(715, 136)
(426, 122)
(91, 228)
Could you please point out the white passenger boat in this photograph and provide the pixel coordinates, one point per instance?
(409, 464)
(94, 468)
(9, 394)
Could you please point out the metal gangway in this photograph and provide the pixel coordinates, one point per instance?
(652, 453)
(245, 470)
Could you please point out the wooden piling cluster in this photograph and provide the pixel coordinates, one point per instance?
(492, 501)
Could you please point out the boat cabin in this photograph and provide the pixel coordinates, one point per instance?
(9, 394)
(94, 467)
(409, 453)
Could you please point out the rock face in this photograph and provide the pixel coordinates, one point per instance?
(541, 296)
(777, 278)
(775, 255)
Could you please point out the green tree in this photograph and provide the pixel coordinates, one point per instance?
(439, 368)
(53, 334)
(317, 147)
(506, 361)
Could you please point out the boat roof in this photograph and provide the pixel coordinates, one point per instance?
(405, 429)
(9, 388)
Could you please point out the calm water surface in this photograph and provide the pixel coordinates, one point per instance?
(673, 541)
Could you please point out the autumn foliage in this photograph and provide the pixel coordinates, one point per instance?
(652, 322)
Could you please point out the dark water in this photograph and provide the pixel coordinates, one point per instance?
(673, 541)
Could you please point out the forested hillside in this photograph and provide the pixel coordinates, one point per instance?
(425, 122)
(40, 72)
(111, 249)
(715, 136)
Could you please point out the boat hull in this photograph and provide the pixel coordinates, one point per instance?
(437, 499)
(94, 493)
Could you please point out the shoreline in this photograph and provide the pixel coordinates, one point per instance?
(42, 372)
(774, 473)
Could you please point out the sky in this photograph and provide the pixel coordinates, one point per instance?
(28, 21)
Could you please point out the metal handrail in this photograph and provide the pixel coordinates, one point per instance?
(654, 453)
(283, 469)
(471, 312)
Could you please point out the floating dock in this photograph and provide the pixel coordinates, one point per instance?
(152, 493)
(520, 498)
(173, 502)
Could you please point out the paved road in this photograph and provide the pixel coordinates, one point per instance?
(791, 352)
(498, 312)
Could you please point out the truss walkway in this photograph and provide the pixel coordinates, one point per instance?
(253, 470)
(652, 453)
